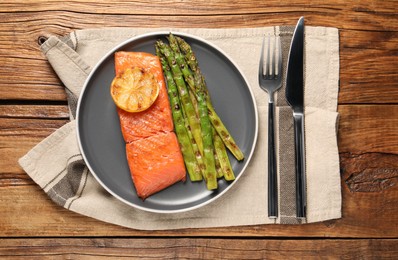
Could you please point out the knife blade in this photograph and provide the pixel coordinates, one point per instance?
(295, 98)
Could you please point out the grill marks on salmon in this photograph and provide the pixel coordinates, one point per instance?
(144, 124)
(153, 153)
(155, 163)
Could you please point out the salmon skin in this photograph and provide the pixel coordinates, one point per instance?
(153, 153)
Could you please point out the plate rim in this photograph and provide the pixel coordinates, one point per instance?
(162, 33)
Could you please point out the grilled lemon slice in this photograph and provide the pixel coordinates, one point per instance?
(134, 90)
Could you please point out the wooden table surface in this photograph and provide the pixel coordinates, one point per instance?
(33, 105)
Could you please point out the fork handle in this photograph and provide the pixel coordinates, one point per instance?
(272, 178)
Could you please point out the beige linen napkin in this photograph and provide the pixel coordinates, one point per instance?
(56, 164)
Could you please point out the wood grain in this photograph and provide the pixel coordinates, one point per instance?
(27, 211)
(34, 111)
(368, 67)
(367, 75)
(200, 7)
(370, 172)
(33, 105)
(187, 248)
(368, 128)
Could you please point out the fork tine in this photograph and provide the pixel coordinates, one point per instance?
(261, 65)
(274, 64)
(280, 57)
(268, 61)
(270, 66)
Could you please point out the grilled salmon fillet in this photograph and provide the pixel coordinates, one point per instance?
(153, 153)
(155, 163)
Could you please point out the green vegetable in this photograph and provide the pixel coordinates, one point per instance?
(206, 128)
(201, 84)
(222, 156)
(208, 147)
(195, 147)
(193, 168)
(183, 93)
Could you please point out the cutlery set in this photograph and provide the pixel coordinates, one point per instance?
(270, 80)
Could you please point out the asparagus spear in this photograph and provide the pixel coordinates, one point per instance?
(222, 156)
(193, 168)
(208, 147)
(183, 92)
(188, 75)
(197, 84)
(219, 172)
(205, 125)
(215, 119)
(217, 142)
(195, 147)
(207, 134)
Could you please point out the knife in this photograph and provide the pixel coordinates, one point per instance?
(295, 98)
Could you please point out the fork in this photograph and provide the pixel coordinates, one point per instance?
(270, 80)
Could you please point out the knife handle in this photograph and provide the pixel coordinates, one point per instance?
(272, 177)
(301, 200)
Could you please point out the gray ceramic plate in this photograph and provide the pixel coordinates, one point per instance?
(103, 147)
